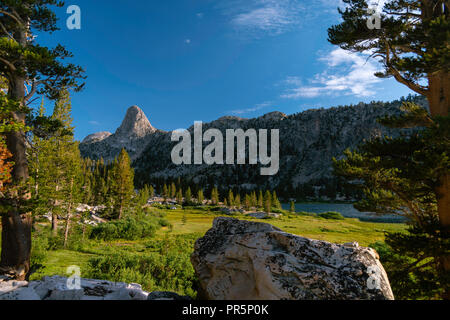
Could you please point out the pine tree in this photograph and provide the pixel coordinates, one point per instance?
(165, 192)
(267, 202)
(142, 197)
(73, 188)
(237, 201)
(188, 196)
(151, 191)
(56, 168)
(26, 63)
(180, 196)
(399, 176)
(122, 187)
(200, 197)
(248, 202)
(292, 207)
(412, 46)
(173, 190)
(215, 196)
(275, 202)
(260, 199)
(53, 162)
(230, 199)
(254, 200)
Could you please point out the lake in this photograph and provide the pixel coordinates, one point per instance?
(347, 210)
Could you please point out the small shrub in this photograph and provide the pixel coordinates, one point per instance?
(331, 215)
(166, 267)
(128, 229)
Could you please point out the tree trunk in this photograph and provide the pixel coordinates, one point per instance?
(443, 198)
(439, 100)
(69, 215)
(439, 93)
(66, 231)
(54, 224)
(54, 215)
(16, 224)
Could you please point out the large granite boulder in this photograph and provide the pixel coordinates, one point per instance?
(252, 261)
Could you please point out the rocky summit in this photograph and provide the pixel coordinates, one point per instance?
(133, 134)
(243, 260)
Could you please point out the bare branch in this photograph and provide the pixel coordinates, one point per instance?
(11, 66)
(397, 75)
(18, 20)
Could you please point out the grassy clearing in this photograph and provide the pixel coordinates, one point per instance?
(338, 231)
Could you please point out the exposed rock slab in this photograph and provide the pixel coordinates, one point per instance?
(255, 261)
(55, 288)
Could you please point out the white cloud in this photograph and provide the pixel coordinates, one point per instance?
(187, 41)
(252, 109)
(94, 123)
(257, 17)
(346, 73)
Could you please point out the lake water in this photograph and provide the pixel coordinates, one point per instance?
(347, 210)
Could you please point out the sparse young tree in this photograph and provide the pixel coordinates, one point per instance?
(180, 196)
(142, 197)
(122, 186)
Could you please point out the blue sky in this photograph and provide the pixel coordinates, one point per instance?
(188, 60)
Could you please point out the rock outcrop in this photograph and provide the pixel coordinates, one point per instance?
(96, 137)
(55, 288)
(255, 261)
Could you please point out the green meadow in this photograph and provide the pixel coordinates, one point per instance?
(152, 260)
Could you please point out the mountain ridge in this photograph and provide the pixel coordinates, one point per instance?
(308, 142)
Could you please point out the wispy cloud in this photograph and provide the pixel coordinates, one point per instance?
(252, 109)
(346, 73)
(262, 17)
(94, 123)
